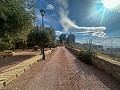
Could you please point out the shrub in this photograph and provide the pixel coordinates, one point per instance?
(36, 48)
(86, 55)
(5, 46)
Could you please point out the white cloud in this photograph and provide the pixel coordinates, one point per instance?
(99, 34)
(63, 3)
(95, 1)
(50, 6)
(86, 34)
(118, 11)
(117, 3)
(58, 33)
(78, 41)
(69, 25)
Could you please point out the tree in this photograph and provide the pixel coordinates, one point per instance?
(38, 36)
(62, 38)
(71, 39)
(4, 44)
(51, 31)
(17, 18)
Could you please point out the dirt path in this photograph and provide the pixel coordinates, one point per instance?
(20, 56)
(64, 71)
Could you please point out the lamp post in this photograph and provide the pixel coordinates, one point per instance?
(42, 13)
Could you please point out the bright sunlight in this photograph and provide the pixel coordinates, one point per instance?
(111, 3)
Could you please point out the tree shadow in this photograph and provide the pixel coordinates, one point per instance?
(13, 60)
(89, 70)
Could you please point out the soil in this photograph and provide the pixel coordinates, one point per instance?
(62, 70)
(19, 56)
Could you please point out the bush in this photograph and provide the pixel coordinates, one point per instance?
(52, 45)
(86, 55)
(5, 46)
(36, 48)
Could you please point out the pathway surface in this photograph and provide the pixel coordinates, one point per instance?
(20, 56)
(64, 71)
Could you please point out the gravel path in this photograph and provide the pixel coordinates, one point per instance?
(63, 71)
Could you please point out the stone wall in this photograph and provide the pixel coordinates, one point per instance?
(75, 51)
(109, 65)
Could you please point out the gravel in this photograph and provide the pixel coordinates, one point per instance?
(63, 71)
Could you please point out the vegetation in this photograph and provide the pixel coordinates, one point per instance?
(62, 38)
(108, 53)
(41, 37)
(71, 39)
(16, 21)
(86, 55)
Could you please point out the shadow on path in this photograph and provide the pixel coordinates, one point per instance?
(107, 79)
(13, 59)
(88, 70)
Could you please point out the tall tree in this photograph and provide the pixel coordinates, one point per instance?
(17, 18)
(62, 38)
(38, 36)
(71, 38)
(51, 31)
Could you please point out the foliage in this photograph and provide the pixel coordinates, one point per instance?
(5, 45)
(53, 44)
(16, 18)
(38, 36)
(86, 55)
(36, 48)
(71, 38)
(57, 41)
(62, 37)
(51, 31)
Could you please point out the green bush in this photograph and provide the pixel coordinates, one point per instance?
(86, 55)
(52, 45)
(5, 46)
(36, 48)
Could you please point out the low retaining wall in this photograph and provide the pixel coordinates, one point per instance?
(75, 51)
(6, 54)
(11, 73)
(109, 65)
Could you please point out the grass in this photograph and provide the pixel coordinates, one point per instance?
(108, 57)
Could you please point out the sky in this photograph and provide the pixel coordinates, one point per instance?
(96, 20)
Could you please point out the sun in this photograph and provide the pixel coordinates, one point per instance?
(111, 3)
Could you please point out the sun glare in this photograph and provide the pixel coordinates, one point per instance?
(111, 3)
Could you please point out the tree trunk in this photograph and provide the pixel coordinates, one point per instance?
(14, 46)
(23, 45)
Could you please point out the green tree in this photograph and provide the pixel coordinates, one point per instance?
(5, 44)
(62, 38)
(38, 36)
(17, 18)
(71, 38)
(51, 31)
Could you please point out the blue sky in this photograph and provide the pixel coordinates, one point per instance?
(86, 19)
